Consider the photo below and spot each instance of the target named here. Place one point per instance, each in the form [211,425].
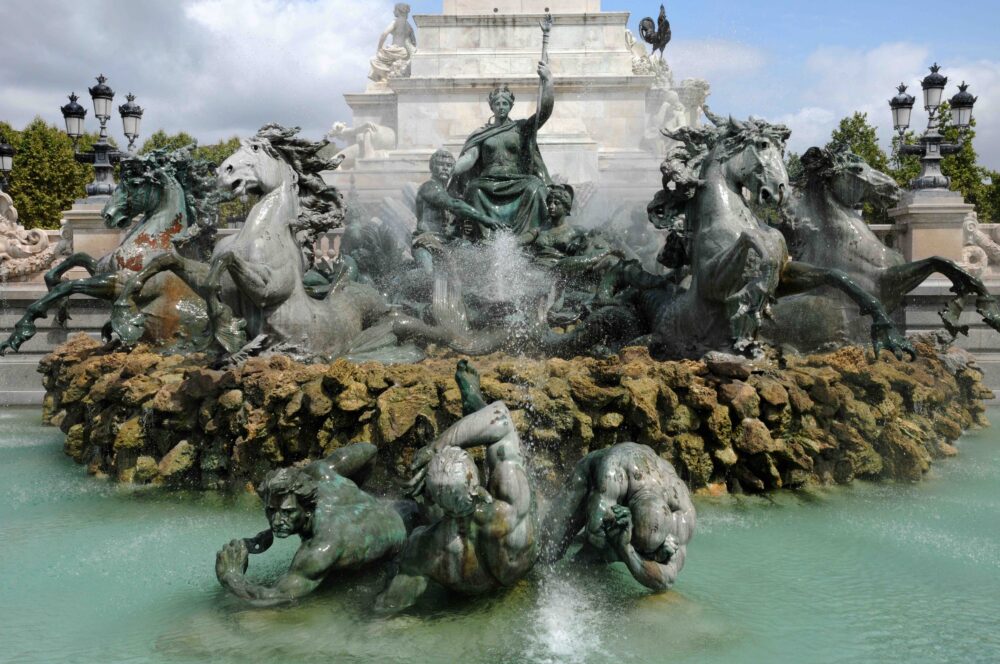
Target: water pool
[90,572]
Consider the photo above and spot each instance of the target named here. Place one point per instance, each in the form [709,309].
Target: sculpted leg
[227,328]
[126,318]
[799,277]
[901,279]
[104,287]
[55,275]
[467,378]
[410,581]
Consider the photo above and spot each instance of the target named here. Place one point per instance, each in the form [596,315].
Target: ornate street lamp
[931,146]
[6,161]
[902,109]
[103,155]
[131,117]
[961,106]
[933,87]
[74,114]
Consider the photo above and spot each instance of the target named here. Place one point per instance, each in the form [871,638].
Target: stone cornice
[484,20]
[562,83]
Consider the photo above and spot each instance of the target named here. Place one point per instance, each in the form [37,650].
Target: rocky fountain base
[146,418]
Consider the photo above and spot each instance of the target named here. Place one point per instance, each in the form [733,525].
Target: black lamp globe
[961,106]
[902,108]
[131,118]
[933,86]
[73,113]
[6,157]
[102,95]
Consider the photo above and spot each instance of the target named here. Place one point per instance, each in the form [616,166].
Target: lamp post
[103,155]
[6,161]
[931,146]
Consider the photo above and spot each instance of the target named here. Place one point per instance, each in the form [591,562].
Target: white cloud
[810,126]
[209,67]
[841,81]
[714,59]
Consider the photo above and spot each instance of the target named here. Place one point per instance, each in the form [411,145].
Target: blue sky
[216,68]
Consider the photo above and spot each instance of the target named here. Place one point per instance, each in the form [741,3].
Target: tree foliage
[160,139]
[862,138]
[46,179]
[858,134]
[969,178]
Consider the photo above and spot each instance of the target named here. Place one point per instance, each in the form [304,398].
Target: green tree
[160,139]
[218,152]
[46,179]
[856,132]
[904,167]
[236,210]
[993,195]
[862,138]
[967,176]
[793,165]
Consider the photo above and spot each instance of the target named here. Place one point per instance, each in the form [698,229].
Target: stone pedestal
[929,223]
[601,109]
[85,226]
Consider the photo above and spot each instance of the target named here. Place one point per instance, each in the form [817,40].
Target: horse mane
[196,178]
[321,205]
[682,165]
[823,163]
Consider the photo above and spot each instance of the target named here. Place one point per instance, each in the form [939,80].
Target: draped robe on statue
[509,181]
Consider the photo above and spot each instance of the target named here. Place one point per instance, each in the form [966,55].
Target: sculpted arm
[348,461]
[510,500]
[311,563]
[491,426]
[466,161]
[653,575]
[385,35]
[547,99]
[439,198]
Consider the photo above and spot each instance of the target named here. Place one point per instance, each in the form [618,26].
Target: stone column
[929,223]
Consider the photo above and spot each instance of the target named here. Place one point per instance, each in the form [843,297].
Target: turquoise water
[870,573]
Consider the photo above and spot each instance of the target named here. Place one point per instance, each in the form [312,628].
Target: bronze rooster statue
[659,36]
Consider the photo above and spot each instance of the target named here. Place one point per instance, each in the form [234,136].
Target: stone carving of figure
[364,141]
[22,252]
[670,116]
[486,538]
[341,526]
[439,213]
[631,506]
[393,60]
[980,252]
[500,171]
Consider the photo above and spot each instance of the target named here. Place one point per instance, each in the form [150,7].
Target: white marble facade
[602,107]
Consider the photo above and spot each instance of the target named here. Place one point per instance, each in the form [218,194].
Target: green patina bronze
[341,526]
[500,171]
[171,193]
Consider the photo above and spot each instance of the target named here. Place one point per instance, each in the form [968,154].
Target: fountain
[618,389]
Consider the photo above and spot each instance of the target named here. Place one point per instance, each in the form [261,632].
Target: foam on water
[567,622]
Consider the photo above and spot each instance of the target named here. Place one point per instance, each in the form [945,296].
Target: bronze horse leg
[901,279]
[126,318]
[55,275]
[799,277]
[103,287]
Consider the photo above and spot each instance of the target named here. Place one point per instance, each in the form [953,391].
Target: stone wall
[142,417]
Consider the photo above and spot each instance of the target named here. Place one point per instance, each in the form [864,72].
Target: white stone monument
[602,106]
